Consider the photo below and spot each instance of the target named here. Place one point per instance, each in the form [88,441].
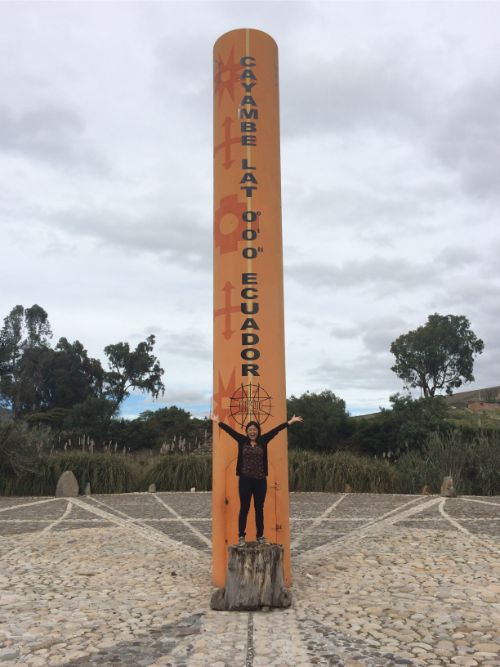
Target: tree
[404,428]
[438,355]
[71,376]
[138,369]
[24,330]
[325,424]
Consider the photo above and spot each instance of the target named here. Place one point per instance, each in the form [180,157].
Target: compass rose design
[250,402]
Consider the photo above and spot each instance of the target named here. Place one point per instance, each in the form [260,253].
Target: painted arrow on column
[227,310]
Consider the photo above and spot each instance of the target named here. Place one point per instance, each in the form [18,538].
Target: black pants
[248,487]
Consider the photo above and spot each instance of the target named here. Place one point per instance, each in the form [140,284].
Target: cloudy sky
[390,120]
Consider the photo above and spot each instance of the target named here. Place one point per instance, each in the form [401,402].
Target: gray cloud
[349,92]
[379,333]
[363,210]
[458,257]
[176,235]
[344,332]
[52,134]
[362,372]
[187,344]
[467,138]
[374,272]
[178,396]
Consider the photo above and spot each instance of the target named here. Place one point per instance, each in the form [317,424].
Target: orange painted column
[249,355]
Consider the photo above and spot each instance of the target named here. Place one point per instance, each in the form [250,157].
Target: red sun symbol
[226,76]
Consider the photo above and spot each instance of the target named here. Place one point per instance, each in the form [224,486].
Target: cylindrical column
[249,357]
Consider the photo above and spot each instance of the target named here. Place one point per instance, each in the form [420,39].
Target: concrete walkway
[380,580]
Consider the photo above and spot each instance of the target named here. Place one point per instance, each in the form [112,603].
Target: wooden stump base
[254,579]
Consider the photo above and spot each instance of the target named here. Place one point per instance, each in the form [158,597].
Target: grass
[106,473]
[472,461]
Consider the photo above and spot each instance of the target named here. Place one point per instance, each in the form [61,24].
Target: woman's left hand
[294,419]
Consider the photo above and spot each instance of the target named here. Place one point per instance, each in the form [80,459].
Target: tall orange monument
[249,355]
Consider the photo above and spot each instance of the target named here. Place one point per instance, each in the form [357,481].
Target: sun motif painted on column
[229,224]
[226,75]
[222,398]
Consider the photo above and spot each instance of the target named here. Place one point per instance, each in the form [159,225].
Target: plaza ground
[379,580]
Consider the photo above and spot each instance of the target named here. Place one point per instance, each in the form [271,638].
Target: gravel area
[379,580]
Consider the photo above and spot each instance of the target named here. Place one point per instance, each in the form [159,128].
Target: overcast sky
[390,121]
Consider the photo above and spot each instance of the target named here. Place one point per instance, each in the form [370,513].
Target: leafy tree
[438,355]
[154,427]
[326,422]
[92,417]
[24,330]
[56,378]
[403,428]
[71,376]
[137,369]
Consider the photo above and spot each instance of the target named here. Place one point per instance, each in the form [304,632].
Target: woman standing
[252,468]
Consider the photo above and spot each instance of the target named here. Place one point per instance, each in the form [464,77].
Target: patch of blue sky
[135,404]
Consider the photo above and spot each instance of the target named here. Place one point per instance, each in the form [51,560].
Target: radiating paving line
[146,532]
[317,521]
[36,502]
[223,640]
[396,511]
[72,521]
[177,518]
[464,530]
[250,652]
[280,625]
[451,520]
[186,523]
[63,516]
[377,525]
[137,521]
[475,500]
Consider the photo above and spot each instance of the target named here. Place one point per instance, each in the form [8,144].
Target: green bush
[333,472]
[106,473]
[474,464]
[18,449]
[180,472]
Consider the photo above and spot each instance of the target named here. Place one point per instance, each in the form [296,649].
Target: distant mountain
[463,398]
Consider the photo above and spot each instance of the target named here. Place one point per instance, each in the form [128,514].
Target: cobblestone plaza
[379,580]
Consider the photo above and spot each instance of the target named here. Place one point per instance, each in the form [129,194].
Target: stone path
[380,580]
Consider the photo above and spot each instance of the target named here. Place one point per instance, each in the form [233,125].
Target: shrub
[180,472]
[333,472]
[474,464]
[106,473]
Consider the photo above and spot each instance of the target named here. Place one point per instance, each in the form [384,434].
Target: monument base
[254,579]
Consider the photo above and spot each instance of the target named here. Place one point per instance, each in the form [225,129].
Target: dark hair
[256,424]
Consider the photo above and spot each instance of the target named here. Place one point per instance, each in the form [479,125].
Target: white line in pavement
[36,502]
[70,521]
[132,520]
[475,500]
[198,533]
[146,532]
[147,526]
[453,522]
[396,511]
[310,529]
[284,625]
[384,521]
[63,516]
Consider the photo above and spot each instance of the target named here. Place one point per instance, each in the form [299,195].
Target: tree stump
[254,579]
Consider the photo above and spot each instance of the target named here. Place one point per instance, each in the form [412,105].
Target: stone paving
[380,580]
